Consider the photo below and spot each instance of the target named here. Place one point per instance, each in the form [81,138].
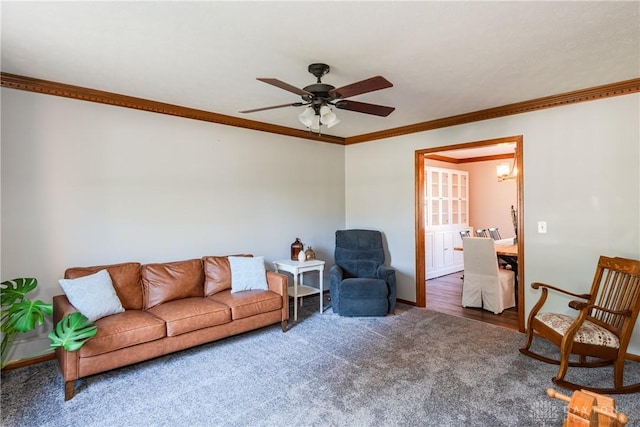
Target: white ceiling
[486,150]
[444,58]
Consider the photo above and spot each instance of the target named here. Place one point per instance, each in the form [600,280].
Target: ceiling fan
[320,96]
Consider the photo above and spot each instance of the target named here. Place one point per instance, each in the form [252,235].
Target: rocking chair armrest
[581,305]
[536,285]
[578,305]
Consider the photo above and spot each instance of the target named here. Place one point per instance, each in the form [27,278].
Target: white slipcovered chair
[486,285]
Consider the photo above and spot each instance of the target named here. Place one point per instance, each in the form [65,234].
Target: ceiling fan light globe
[332,124]
[329,118]
[315,123]
[306,117]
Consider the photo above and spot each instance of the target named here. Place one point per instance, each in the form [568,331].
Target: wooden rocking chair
[602,329]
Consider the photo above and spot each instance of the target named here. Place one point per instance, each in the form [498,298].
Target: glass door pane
[455,184]
[455,211]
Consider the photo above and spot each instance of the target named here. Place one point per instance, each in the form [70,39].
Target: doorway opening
[450,153]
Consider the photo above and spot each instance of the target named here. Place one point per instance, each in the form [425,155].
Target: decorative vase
[302,256]
[296,248]
[309,254]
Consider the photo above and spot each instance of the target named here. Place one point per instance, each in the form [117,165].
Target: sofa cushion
[190,314]
[217,273]
[123,330]
[171,281]
[93,295]
[248,303]
[125,278]
[247,273]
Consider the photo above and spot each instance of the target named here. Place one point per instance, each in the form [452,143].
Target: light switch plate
[542,227]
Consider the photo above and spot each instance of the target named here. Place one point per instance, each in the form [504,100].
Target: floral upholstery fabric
[589,333]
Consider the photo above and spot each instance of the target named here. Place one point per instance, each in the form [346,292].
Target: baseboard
[30,361]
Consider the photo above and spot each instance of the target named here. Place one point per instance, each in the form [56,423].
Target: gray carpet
[416,368]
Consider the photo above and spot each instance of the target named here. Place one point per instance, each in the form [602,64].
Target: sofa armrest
[61,307]
[278,283]
[68,360]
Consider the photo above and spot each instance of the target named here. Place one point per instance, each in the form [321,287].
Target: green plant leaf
[25,315]
[72,332]
[15,290]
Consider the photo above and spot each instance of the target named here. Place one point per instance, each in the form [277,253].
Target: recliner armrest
[389,275]
[335,278]
[385,273]
[336,274]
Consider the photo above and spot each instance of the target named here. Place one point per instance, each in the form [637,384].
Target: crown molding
[30,84]
[583,95]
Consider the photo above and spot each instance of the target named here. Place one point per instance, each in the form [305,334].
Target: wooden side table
[299,290]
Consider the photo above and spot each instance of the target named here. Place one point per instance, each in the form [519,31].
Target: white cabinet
[441,257]
[447,198]
[447,213]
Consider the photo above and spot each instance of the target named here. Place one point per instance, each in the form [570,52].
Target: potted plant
[20,314]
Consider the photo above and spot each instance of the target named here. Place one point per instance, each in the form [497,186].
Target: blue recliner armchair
[361,285]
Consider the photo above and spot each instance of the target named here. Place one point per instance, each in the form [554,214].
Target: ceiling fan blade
[363,107]
[364,86]
[285,86]
[295,104]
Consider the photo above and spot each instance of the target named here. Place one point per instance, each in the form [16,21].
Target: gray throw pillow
[93,295]
[247,273]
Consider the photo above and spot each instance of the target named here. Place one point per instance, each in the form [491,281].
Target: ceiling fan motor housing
[320,91]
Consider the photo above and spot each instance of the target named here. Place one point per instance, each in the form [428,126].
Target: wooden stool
[590,409]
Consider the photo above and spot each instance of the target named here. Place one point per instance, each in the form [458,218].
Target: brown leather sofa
[168,307]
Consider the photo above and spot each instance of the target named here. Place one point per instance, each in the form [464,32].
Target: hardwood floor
[444,295]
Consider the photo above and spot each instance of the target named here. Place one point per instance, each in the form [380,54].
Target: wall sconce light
[506,173]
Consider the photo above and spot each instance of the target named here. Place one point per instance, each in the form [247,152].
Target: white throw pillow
[93,295]
[247,273]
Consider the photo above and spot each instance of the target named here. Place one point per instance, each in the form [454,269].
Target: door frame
[421,291]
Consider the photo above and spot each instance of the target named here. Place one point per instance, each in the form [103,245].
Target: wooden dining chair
[481,232]
[505,262]
[600,332]
[494,233]
[465,233]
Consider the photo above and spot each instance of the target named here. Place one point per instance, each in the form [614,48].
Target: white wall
[581,175]
[490,201]
[87,184]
